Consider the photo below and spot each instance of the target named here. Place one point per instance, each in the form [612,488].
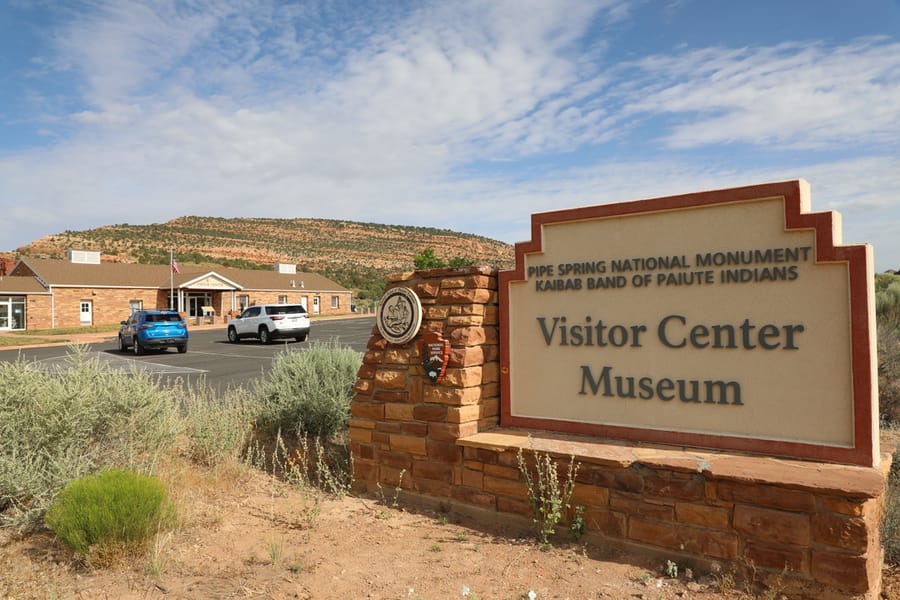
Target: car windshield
[286,310]
[163,318]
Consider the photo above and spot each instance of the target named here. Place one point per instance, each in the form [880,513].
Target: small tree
[460,261]
[427,260]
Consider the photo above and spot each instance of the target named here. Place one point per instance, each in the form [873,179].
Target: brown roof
[21,285]
[65,273]
[271,280]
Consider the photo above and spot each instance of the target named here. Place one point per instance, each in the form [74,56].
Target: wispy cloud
[790,95]
[456,114]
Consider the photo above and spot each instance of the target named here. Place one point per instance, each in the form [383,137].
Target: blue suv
[153,329]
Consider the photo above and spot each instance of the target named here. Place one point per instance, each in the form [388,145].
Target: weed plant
[77,420]
[309,392]
[394,500]
[218,428]
[300,472]
[548,495]
[115,510]
[312,464]
[578,526]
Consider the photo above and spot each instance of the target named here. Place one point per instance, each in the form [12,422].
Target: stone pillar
[403,427]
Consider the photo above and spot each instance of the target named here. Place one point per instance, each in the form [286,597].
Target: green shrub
[115,509]
[72,421]
[309,392]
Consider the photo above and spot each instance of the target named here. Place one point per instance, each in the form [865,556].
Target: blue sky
[462,115]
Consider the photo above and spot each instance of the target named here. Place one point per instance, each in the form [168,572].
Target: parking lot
[210,356]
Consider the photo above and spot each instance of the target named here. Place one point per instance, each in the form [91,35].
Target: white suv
[269,322]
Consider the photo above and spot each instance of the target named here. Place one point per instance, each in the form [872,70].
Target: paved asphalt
[210,356]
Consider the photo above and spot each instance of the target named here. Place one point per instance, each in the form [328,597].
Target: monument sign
[731,319]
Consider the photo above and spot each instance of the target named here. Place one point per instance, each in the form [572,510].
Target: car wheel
[264,336]
[136,347]
[300,338]
[122,347]
[233,336]
[182,348]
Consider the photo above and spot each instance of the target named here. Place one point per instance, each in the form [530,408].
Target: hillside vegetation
[352,253]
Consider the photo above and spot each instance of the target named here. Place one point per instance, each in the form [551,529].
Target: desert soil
[244,534]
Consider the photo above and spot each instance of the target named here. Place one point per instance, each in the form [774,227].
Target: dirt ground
[245,534]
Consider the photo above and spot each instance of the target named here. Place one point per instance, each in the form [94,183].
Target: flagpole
[171,278]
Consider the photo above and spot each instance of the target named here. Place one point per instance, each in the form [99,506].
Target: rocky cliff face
[313,244]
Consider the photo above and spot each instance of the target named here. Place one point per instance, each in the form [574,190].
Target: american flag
[175,266]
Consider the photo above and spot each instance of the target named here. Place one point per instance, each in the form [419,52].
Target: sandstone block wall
[812,527]
[400,422]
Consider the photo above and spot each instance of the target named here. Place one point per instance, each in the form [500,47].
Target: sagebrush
[309,392]
[83,417]
[888,372]
[887,298]
[75,420]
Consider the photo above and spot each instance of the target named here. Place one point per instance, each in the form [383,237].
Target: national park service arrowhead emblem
[435,352]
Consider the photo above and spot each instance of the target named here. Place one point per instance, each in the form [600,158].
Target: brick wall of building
[112,305]
[811,526]
[37,312]
[296,297]
[109,305]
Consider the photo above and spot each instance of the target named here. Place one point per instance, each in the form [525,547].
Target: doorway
[196,302]
[87,312]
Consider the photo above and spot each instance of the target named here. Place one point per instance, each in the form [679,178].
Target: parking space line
[259,357]
[118,363]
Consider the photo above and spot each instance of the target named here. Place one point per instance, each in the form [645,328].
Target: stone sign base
[812,527]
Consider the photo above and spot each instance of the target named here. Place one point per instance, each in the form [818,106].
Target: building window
[282,299]
[244,301]
[335,302]
[12,312]
[135,305]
